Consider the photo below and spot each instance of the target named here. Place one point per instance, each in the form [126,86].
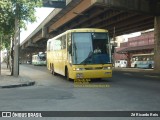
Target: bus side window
[144,59]
[63,42]
[136,58]
[57,44]
[49,46]
[140,58]
[52,46]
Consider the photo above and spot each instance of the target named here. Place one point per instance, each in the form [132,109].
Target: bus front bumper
[90,74]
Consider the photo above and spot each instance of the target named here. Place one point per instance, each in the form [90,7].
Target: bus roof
[142,54]
[87,30]
[80,30]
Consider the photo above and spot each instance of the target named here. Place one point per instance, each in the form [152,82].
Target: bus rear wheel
[52,70]
[150,66]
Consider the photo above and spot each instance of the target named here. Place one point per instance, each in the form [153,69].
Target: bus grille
[96,68]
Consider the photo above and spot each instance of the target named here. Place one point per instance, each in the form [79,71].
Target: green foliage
[24,10]
[6,42]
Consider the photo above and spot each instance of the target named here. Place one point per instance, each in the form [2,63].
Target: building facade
[142,44]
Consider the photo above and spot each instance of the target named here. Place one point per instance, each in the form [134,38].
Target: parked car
[28,62]
[121,63]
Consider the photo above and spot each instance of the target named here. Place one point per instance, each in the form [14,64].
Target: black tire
[52,70]
[67,74]
[99,79]
[150,66]
[135,66]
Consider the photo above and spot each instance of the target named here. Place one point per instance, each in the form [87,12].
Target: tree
[24,10]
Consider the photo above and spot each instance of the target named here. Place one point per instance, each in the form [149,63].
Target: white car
[28,62]
[121,63]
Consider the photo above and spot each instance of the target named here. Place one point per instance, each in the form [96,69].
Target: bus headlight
[106,68]
[78,69]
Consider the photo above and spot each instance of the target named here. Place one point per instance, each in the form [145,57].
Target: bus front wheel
[67,74]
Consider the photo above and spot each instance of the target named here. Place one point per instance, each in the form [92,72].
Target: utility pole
[16,45]
[0,54]
[113,45]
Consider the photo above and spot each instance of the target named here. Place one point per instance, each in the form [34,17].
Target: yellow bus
[80,54]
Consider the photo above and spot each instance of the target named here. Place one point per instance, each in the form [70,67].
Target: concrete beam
[157,43]
[82,6]
[22,47]
[44,32]
[145,6]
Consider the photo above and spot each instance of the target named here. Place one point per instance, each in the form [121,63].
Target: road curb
[136,70]
[19,85]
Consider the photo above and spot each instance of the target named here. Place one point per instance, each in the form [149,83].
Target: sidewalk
[7,81]
[137,70]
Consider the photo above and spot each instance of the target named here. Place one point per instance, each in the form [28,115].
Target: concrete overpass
[126,16]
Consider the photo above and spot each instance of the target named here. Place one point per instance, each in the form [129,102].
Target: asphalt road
[126,91]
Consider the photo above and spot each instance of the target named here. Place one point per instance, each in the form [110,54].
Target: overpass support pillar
[157,43]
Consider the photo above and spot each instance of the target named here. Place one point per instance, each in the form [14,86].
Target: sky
[131,35]
[41,14]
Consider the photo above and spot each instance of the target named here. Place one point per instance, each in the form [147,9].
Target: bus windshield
[42,57]
[90,48]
